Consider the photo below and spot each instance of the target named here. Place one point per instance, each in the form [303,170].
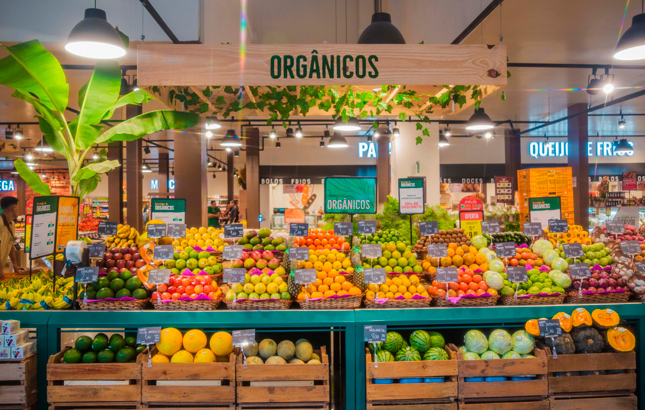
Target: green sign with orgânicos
[350,195]
[170,211]
[543,209]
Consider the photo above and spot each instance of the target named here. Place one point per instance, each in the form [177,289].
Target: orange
[335,287]
[344,292]
[451,252]
[329,293]
[385,288]
[316,295]
[221,343]
[204,356]
[328,281]
[412,289]
[407,295]
[170,341]
[452,245]
[339,279]
[334,272]
[402,289]
[394,288]
[159,358]
[323,288]
[480,258]
[301,296]
[354,291]
[182,356]
[309,265]
[321,275]
[341,276]
[319,282]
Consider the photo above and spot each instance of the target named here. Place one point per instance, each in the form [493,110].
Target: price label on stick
[159,276]
[366,227]
[429,227]
[615,227]
[640,267]
[232,252]
[176,230]
[550,327]
[447,275]
[108,228]
[371,251]
[305,276]
[156,230]
[558,225]
[96,250]
[301,254]
[630,247]
[87,274]
[234,275]
[244,337]
[437,250]
[164,252]
[343,228]
[375,333]
[533,229]
[505,249]
[490,227]
[573,250]
[148,335]
[298,230]
[517,274]
[374,275]
[579,271]
[233,231]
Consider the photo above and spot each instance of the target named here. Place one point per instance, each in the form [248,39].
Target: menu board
[234,275]
[96,250]
[305,276]
[159,276]
[572,250]
[232,252]
[366,227]
[504,190]
[343,228]
[164,252]
[411,196]
[148,335]
[67,224]
[549,327]
[429,227]
[242,338]
[579,271]
[630,247]
[43,229]
[615,227]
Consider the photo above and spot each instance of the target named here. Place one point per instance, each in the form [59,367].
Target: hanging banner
[43,230]
[630,182]
[168,210]
[411,198]
[471,213]
[294,215]
[504,190]
[543,209]
[29,211]
[350,195]
[67,226]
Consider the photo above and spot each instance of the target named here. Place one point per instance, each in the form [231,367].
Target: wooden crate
[279,389]
[19,407]
[625,402]
[424,406]
[18,382]
[98,392]
[504,391]
[397,395]
[105,405]
[592,385]
[508,405]
[189,389]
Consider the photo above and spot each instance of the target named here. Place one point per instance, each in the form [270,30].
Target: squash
[621,339]
[562,344]
[532,327]
[605,318]
[581,318]
[565,321]
[588,340]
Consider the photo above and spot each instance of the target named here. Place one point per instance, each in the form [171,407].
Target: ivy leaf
[375,124]
[220,100]
[207,91]
[203,107]
[419,126]
[419,140]
[426,132]
[477,104]
[403,116]
[503,96]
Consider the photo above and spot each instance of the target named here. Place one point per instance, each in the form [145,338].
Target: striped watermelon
[404,344]
[409,354]
[393,342]
[379,346]
[420,339]
[437,339]
[436,353]
[384,356]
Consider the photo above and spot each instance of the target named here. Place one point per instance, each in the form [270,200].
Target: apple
[100,263]
[211,295]
[110,263]
[134,250]
[127,256]
[129,264]
[120,263]
[125,250]
[115,250]
[238,263]
[118,256]
[134,270]
[155,296]
[108,255]
[136,256]
[172,289]
[139,263]
[181,289]
[208,289]
[175,296]
[162,288]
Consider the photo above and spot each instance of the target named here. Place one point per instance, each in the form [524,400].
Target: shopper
[214,214]
[235,213]
[9,205]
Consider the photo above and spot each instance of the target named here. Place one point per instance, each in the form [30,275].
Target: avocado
[89,357]
[117,284]
[105,293]
[91,293]
[140,349]
[103,282]
[83,344]
[125,275]
[115,336]
[100,342]
[105,356]
[125,355]
[133,283]
[112,275]
[140,294]
[123,293]
[130,341]
[116,345]
[72,356]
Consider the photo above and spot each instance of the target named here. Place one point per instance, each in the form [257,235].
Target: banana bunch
[125,236]
[37,294]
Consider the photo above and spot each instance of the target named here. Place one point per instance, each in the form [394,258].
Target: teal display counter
[348,323]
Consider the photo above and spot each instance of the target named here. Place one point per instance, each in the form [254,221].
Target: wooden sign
[320,64]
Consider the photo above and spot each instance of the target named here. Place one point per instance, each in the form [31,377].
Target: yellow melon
[221,343]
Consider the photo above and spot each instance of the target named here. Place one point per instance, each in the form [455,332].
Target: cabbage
[489,354]
[528,356]
[562,280]
[560,264]
[484,250]
[499,341]
[479,242]
[494,280]
[511,355]
[496,265]
[554,274]
[463,349]
[523,342]
[491,256]
[549,256]
[542,245]
[471,356]
[475,341]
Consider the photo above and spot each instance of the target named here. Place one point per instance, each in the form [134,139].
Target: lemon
[182,356]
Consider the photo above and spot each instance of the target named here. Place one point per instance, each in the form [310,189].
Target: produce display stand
[18,380]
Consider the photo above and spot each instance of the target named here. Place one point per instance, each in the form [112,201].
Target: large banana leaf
[148,123]
[32,69]
[135,97]
[31,178]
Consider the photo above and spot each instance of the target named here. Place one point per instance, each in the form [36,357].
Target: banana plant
[37,78]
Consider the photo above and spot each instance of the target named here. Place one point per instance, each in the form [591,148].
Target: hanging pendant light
[443,141]
[623,147]
[479,121]
[631,45]
[381,30]
[351,124]
[212,123]
[337,141]
[231,140]
[94,37]
[43,147]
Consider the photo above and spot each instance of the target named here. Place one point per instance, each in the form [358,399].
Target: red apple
[110,263]
[100,263]
[125,250]
[172,289]
[162,288]
[129,264]
[118,256]
[120,263]
[181,289]
[211,295]
[175,296]
[136,256]
[155,296]
[127,256]
[134,270]
[133,250]
[208,289]
[139,263]
[115,250]
[108,255]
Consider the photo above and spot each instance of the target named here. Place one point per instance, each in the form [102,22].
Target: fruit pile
[116,284]
[322,239]
[202,237]
[285,352]
[540,281]
[262,260]
[455,235]
[500,344]
[403,285]
[259,285]
[328,283]
[89,224]
[39,290]
[121,258]
[458,256]
[601,280]
[330,261]
[126,236]
[184,286]
[386,236]
[641,256]
[194,261]
[575,235]
[523,257]
[517,237]
[421,345]
[631,234]
[117,349]
[396,258]
[470,283]
[191,347]
[582,332]
[261,241]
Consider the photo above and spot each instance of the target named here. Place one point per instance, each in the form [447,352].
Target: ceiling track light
[479,121]
[214,176]
[488,135]
[381,30]
[443,141]
[8,132]
[298,131]
[209,134]
[212,123]
[396,132]
[352,124]
[289,132]
[369,137]
[608,83]
[447,131]
[322,140]
[621,122]
[237,153]
[623,147]
[125,87]
[43,147]
[146,149]
[631,45]
[231,140]
[29,156]
[277,144]
[18,134]
[377,133]
[337,141]
[94,37]
[272,134]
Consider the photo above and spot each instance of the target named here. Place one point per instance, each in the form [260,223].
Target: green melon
[437,339]
[420,339]
[408,354]
[384,356]
[393,342]
[436,353]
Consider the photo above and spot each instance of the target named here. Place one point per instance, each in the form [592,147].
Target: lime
[104,293]
[116,345]
[125,275]
[103,282]
[112,275]
[123,293]
[89,357]
[72,356]
[83,344]
[105,356]
[133,283]
[117,284]
[140,294]
[130,341]
[100,342]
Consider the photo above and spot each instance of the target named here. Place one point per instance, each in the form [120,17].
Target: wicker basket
[218,278]
[399,304]
[640,297]
[217,255]
[533,300]
[263,304]
[349,302]
[618,297]
[480,301]
[113,305]
[187,305]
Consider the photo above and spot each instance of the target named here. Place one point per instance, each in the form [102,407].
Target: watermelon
[404,344]
[437,340]
[384,356]
[379,346]
[436,353]
[393,342]
[408,354]
[420,339]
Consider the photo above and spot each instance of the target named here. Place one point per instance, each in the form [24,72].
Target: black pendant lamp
[381,30]
[94,37]
[480,121]
[631,45]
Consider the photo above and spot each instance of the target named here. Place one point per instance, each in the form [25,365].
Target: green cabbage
[494,280]
[475,341]
[511,355]
[499,341]
[523,342]
[489,354]
[471,356]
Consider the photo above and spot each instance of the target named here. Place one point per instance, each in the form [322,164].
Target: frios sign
[540,149]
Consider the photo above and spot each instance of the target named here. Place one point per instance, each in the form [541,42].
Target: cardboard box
[5,353]
[16,339]
[10,326]
[24,350]
[1,340]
